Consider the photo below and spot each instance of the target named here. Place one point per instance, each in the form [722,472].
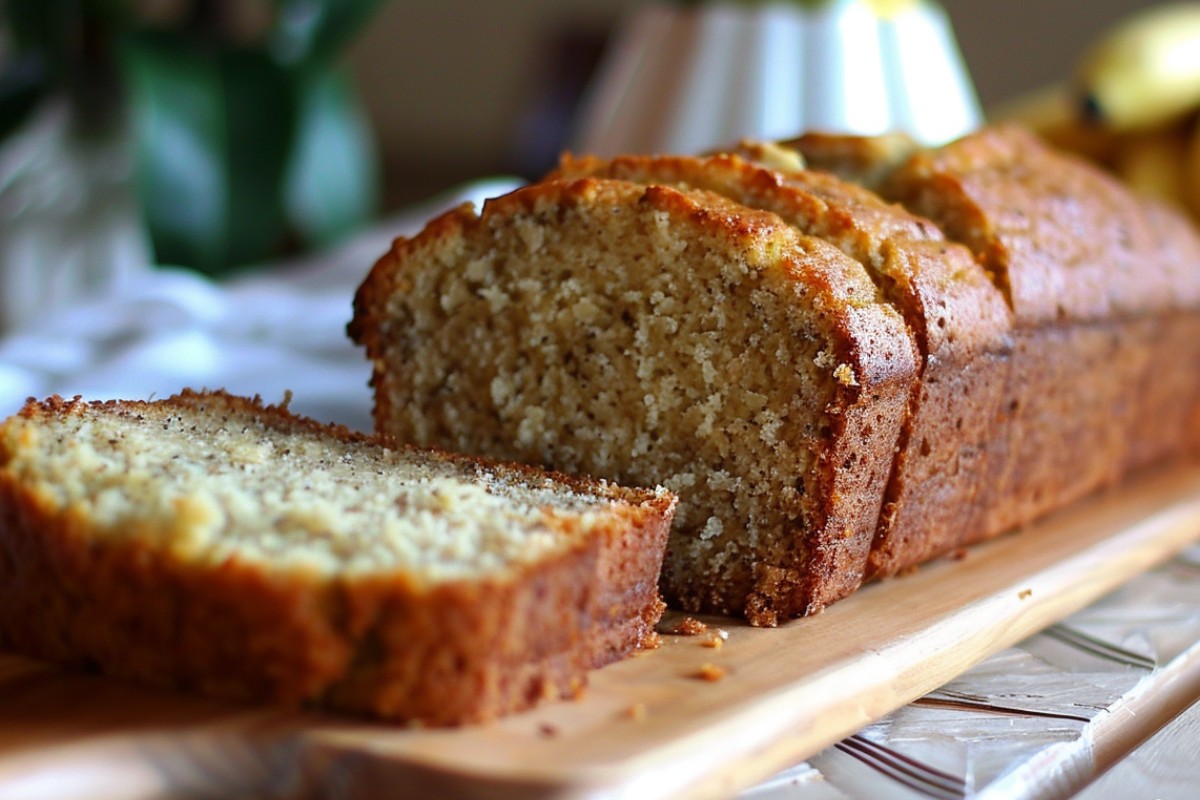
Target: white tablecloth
[277,328]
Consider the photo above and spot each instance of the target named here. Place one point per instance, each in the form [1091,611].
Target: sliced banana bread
[208,542]
[610,319]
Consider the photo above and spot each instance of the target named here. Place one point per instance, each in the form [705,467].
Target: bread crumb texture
[210,483]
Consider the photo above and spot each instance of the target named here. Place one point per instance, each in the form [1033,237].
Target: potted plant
[225,131]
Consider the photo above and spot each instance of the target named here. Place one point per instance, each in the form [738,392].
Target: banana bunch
[1132,105]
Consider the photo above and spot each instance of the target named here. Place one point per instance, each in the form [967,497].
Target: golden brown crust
[1066,241]
[1092,376]
[455,652]
[1105,291]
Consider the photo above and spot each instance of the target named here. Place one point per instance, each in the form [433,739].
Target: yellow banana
[1145,72]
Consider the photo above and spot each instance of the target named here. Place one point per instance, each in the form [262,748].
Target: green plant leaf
[177,119]
[214,129]
[332,184]
[260,124]
[310,31]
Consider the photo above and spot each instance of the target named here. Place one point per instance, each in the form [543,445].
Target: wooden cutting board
[686,718]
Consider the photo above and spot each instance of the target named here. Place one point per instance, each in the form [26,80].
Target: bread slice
[209,542]
[631,331]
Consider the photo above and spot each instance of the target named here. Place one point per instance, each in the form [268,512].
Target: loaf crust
[389,645]
[1105,292]
[1099,379]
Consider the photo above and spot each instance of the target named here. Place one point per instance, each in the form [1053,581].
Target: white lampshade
[687,78]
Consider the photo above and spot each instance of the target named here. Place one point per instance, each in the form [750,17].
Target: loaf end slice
[210,543]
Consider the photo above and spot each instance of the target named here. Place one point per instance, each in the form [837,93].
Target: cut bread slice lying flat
[211,543]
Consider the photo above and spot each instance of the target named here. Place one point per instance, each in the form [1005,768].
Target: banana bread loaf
[1032,289]
[210,543]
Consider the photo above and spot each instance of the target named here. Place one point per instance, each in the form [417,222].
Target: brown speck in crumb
[1024,594]
[710,672]
[688,626]
[547,731]
[636,712]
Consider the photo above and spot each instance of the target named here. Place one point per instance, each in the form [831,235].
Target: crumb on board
[710,672]
[1024,594]
[688,626]
[717,640]
[636,712]
[547,731]
[960,554]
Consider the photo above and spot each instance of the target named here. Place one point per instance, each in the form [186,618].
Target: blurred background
[461,88]
[219,135]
